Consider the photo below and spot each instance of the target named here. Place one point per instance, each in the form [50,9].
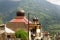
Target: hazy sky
[10,0]
[57,2]
[15,0]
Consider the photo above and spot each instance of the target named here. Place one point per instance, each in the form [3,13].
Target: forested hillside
[48,14]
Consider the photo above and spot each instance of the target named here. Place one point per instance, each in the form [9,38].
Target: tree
[21,34]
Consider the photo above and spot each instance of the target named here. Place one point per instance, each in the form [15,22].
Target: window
[8,36]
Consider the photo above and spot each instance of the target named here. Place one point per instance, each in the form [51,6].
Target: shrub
[21,34]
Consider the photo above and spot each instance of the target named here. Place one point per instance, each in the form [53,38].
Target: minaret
[38,29]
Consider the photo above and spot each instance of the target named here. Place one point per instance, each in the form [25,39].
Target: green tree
[22,34]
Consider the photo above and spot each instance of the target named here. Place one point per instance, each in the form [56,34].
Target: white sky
[57,2]
[10,0]
[15,0]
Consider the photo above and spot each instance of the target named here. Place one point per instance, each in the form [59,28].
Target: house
[6,33]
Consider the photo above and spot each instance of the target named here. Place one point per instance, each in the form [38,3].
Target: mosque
[20,21]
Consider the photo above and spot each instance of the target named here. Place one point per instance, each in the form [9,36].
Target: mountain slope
[47,13]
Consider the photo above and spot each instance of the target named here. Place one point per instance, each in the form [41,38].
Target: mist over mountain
[48,14]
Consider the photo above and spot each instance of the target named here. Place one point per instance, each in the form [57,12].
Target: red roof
[24,19]
[46,33]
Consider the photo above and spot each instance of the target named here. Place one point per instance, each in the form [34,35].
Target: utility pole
[28,26]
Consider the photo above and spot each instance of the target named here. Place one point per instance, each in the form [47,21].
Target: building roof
[7,30]
[46,33]
[20,17]
[24,19]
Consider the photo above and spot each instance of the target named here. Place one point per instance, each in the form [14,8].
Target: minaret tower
[38,35]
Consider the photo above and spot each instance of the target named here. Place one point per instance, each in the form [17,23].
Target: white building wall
[29,35]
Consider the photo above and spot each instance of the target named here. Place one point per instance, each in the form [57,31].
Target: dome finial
[20,13]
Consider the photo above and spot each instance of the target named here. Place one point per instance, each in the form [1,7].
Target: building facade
[36,32]
[19,22]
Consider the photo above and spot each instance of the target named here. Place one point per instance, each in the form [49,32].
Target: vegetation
[22,34]
[48,14]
